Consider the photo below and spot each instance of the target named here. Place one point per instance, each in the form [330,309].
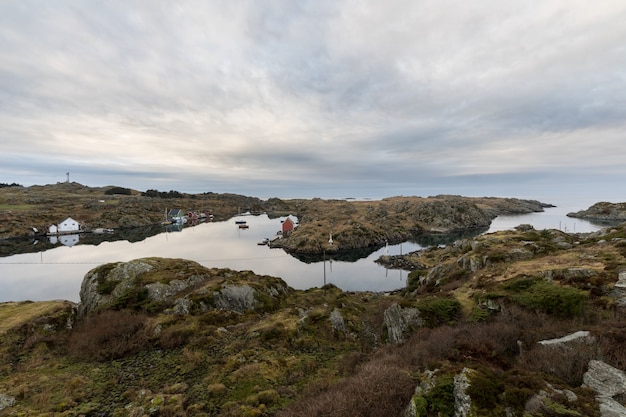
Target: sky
[320,98]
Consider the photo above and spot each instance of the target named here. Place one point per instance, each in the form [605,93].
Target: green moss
[440,399]
[439,311]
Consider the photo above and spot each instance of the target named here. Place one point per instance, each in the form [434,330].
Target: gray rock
[337,321]
[6,401]
[462,401]
[581,335]
[610,408]
[400,321]
[518,254]
[123,275]
[605,379]
[621,280]
[239,298]
[471,262]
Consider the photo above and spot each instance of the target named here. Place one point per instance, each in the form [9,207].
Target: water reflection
[40,270]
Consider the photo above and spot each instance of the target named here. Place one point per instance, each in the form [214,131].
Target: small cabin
[288,226]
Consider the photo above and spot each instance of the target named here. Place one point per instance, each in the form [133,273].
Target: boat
[243,226]
[264,242]
[240,222]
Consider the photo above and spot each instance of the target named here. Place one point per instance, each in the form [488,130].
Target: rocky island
[603,212]
[515,323]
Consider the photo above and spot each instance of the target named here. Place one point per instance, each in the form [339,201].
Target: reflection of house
[288,226]
[67,226]
[67,240]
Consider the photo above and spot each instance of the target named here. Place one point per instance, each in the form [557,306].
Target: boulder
[235,298]
[462,401]
[609,383]
[580,336]
[336,319]
[400,322]
[610,408]
[103,285]
[176,286]
[606,380]
[6,401]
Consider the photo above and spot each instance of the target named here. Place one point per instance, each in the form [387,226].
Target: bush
[550,298]
[439,311]
[118,190]
[109,335]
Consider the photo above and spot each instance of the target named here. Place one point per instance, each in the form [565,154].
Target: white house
[53,229]
[68,225]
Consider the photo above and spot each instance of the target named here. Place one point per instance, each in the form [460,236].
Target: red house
[288,226]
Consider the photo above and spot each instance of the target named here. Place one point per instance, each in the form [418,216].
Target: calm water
[58,272]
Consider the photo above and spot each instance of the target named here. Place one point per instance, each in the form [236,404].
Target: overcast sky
[333,98]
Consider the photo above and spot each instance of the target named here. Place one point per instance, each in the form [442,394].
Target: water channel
[54,270]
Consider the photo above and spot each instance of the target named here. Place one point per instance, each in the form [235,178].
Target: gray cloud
[312,97]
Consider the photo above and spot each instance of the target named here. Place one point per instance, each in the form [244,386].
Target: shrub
[567,363]
[485,389]
[439,311]
[440,399]
[118,190]
[550,298]
[109,335]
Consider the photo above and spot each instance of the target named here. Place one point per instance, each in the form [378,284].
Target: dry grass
[14,314]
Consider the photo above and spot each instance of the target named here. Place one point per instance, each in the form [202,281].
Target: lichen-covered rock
[235,298]
[605,379]
[6,401]
[176,286]
[462,401]
[400,321]
[106,283]
[337,321]
[609,383]
[610,408]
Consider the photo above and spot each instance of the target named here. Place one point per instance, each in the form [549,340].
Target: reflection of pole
[324,256]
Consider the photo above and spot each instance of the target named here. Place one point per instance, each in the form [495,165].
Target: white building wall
[68,225]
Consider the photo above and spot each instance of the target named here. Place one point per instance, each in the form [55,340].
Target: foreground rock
[609,383]
[176,286]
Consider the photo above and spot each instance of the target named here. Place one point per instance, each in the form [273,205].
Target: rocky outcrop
[603,212]
[401,322]
[462,401]
[176,286]
[609,383]
[103,285]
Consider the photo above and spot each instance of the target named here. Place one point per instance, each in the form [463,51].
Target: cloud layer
[305,98]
